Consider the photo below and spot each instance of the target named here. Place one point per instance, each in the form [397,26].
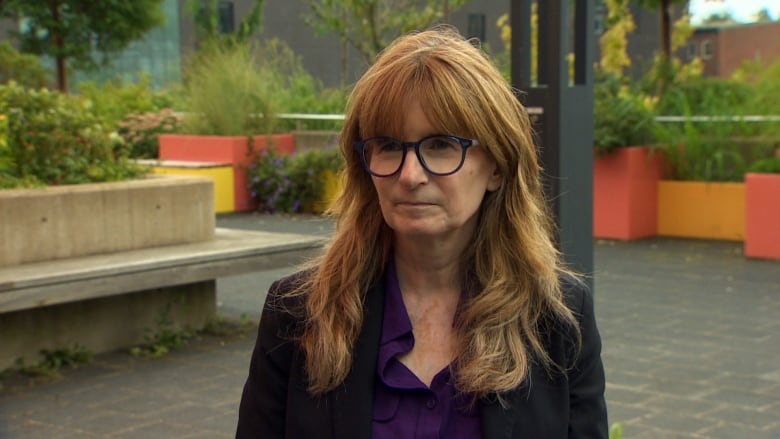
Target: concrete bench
[112,301]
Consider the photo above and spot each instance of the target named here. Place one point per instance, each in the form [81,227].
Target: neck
[429,267]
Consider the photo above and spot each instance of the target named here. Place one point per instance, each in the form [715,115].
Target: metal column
[564,124]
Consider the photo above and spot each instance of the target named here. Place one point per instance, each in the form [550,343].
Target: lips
[413,203]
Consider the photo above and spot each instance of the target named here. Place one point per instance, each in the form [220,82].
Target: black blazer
[275,403]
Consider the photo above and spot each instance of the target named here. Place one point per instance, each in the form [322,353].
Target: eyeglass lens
[438,155]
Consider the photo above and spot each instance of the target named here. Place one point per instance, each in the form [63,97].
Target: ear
[495,180]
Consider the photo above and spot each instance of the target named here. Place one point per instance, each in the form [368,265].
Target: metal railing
[746,118]
[539,111]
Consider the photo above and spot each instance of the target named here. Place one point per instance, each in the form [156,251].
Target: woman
[441,307]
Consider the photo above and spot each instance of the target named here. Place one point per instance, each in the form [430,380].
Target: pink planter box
[233,150]
[625,193]
[762,215]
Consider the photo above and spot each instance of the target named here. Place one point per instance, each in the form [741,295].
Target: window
[692,50]
[225,12]
[706,49]
[600,16]
[476,27]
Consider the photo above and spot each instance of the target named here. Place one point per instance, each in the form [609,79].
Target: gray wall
[326,58]
[324,55]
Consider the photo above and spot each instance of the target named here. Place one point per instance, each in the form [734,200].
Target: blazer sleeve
[588,410]
[263,404]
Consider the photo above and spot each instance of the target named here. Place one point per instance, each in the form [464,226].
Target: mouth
[414,204]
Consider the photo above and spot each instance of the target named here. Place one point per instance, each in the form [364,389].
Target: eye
[441,144]
[386,145]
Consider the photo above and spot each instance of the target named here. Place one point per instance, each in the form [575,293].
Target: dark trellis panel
[563,107]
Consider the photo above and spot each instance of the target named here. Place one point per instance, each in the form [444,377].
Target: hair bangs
[444,97]
[384,102]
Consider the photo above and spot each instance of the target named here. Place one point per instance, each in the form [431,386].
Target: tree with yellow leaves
[613,42]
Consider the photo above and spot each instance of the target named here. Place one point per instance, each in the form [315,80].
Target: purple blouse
[404,407]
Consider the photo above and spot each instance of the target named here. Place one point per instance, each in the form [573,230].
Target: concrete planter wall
[79,220]
[85,225]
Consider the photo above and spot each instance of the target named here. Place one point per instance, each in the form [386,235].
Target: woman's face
[416,204]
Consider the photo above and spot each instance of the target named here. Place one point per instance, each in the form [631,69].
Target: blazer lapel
[353,402]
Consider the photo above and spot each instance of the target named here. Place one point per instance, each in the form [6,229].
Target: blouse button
[431,403]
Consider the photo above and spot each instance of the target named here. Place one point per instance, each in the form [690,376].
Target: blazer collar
[352,404]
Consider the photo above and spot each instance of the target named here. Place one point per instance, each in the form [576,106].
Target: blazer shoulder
[576,293]
[285,304]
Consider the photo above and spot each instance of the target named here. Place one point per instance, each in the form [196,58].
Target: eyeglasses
[438,154]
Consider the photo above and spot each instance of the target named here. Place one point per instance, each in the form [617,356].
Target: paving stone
[687,328]
[627,396]
[674,421]
[744,398]
[692,407]
[751,417]
[156,430]
[732,431]
[624,414]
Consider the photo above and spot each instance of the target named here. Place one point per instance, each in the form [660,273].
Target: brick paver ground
[691,333]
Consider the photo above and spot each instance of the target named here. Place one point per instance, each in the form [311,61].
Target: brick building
[723,49]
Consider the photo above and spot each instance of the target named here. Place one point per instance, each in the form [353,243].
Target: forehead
[409,116]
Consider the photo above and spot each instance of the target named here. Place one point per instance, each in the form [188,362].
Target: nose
[412,172]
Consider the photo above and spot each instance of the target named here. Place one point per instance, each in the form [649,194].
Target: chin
[419,228]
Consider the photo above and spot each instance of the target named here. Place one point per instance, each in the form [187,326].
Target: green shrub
[765,100]
[621,117]
[52,139]
[300,92]
[291,183]
[140,131]
[115,100]
[705,96]
[766,166]
[714,142]
[696,156]
[24,69]
[235,89]
[231,91]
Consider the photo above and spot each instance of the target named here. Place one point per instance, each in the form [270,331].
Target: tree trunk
[62,72]
[666,30]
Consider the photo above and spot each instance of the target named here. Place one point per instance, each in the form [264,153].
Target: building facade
[724,49]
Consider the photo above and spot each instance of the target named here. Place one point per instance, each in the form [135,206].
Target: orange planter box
[707,210]
[762,216]
[225,149]
[625,194]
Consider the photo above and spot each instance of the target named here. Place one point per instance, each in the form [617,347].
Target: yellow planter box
[331,190]
[221,174]
[707,210]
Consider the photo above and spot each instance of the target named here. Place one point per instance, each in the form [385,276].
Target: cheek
[473,189]
[465,195]
[381,189]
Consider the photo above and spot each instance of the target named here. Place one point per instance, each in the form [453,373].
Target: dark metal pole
[565,126]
